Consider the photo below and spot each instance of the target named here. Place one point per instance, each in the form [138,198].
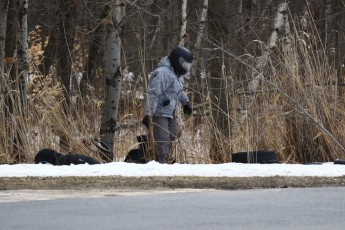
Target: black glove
[187,109]
[146,121]
[165,103]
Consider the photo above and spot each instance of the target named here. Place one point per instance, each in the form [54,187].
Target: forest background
[267,74]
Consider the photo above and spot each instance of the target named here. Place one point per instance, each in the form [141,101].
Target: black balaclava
[181,60]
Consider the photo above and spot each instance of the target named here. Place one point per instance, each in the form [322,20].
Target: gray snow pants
[165,130]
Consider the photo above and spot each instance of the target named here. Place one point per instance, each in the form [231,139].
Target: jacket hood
[165,62]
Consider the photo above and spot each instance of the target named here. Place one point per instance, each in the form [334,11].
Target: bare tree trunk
[199,35]
[340,57]
[113,76]
[160,44]
[10,85]
[157,23]
[3,81]
[217,84]
[3,17]
[253,84]
[182,41]
[183,33]
[10,41]
[14,87]
[329,41]
[49,53]
[287,30]
[23,53]
[49,50]
[201,28]
[67,11]
[93,53]
[171,25]
[333,23]
[66,41]
[198,70]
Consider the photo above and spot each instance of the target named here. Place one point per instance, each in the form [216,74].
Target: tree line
[268,74]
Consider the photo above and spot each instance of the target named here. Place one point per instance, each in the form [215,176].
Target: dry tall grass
[306,74]
[298,109]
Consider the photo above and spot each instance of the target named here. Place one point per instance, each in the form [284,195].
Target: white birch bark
[201,25]
[183,35]
[293,102]
[184,23]
[288,36]
[198,40]
[196,65]
[240,7]
[23,51]
[253,84]
[113,76]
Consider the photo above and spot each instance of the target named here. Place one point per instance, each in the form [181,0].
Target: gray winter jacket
[165,90]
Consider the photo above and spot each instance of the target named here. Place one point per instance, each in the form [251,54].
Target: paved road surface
[313,208]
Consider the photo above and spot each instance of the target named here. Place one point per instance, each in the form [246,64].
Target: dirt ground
[118,182]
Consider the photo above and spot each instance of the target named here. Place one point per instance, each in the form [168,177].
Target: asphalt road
[290,208]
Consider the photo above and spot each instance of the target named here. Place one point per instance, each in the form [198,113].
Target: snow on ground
[155,169]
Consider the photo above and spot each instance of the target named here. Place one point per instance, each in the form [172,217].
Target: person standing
[165,91]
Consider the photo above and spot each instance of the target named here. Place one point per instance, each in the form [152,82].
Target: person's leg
[174,129]
[174,134]
[161,137]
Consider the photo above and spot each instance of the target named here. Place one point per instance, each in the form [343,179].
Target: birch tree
[183,33]
[198,76]
[113,75]
[199,35]
[279,24]
[182,41]
[201,28]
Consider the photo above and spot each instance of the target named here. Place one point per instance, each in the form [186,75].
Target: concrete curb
[118,182]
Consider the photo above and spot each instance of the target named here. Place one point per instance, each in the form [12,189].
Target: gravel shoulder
[119,182]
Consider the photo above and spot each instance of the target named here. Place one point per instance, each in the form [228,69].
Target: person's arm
[183,99]
[157,85]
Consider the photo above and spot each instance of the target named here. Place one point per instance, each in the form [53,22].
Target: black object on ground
[55,158]
[76,159]
[138,155]
[49,156]
[259,156]
[339,162]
